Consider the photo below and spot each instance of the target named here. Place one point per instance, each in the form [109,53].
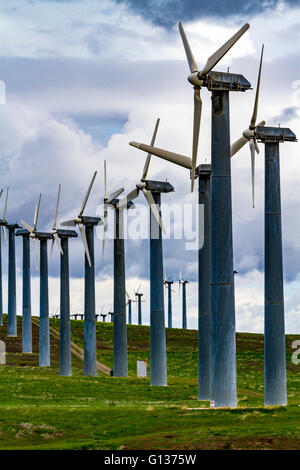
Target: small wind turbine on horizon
[183,283]
[168,288]
[129,303]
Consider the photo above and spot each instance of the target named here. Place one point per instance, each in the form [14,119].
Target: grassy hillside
[41,410]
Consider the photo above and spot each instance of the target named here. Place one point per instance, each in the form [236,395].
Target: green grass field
[41,410]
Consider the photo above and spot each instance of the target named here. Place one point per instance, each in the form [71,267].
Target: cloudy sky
[83,78]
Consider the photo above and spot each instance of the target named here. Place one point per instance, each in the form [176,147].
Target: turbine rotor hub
[249,133]
[195,80]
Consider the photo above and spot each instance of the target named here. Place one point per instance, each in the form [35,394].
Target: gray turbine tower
[168,286]
[61,238]
[26,300]
[12,291]
[26,309]
[274,330]
[86,228]
[152,191]
[223,356]
[120,359]
[43,237]
[3,224]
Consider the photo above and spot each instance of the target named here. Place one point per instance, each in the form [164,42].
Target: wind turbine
[139,301]
[2,222]
[129,302]
[203,172]
[249,134]
[26,234]
[184,319]
[152,191]
[43,237]
[61,238]
[120,359]
[168,286]
[12,294]
[86,227]
[223,353]
[212,81]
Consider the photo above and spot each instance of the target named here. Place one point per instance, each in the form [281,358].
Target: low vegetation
[41,410]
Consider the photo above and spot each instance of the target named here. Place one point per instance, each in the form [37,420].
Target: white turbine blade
[27,226]
[4,234]
[36,214]
[130,196]
[85,244]
[237,145]
[147,163]
[176,158]
[153,207]
[36,256]
[87,194]
[137,291]
[114,195]
[252,150]
[128,296]
[254,114]
[58,242]
[261,124]
[68,223]
[256,145]
[188,51]
[105,181]
[57,204]
[217,56]
[196,130]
